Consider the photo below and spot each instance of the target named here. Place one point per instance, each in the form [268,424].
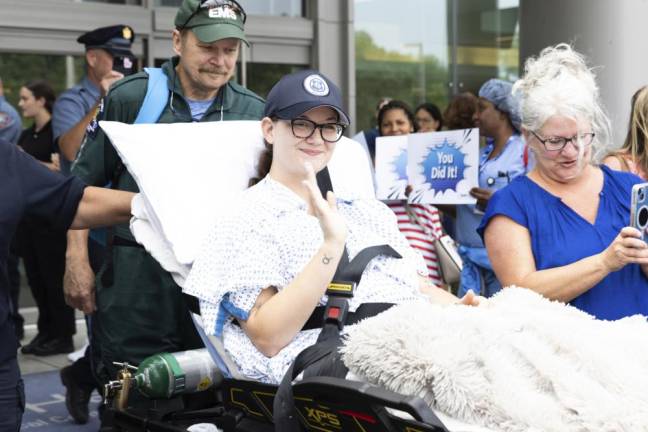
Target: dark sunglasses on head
[217,4]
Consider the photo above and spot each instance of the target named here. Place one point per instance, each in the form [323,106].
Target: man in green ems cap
[139,310]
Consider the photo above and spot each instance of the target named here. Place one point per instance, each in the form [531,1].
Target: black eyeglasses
[217,4]
[559,143]
[304,128]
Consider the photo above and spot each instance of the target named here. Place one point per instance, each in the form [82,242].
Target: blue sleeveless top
[560,236]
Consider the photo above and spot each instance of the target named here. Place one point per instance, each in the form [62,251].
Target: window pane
[123,2]
[262,76]
[19,69]
[401,52]
[487,42]
[291,8]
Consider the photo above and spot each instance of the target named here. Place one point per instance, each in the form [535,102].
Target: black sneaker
[61,345]
[39,339]
[76,397]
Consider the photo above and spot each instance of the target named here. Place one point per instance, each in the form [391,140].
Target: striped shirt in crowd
[421,233]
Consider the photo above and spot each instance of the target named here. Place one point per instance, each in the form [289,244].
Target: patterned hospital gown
[267,240]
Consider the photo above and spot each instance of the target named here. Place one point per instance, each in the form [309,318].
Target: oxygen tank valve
[119,388]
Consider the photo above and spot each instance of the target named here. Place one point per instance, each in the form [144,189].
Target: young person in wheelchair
[265,268]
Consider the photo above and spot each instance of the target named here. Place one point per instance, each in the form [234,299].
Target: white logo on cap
[315,85]
[222,12]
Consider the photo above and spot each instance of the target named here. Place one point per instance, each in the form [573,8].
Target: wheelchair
[322,403]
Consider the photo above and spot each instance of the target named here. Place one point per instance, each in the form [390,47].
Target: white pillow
[189,172]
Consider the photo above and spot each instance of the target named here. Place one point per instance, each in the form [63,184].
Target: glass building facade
[428,50]
[414,50]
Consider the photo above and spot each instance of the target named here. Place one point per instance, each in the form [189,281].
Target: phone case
[639,208]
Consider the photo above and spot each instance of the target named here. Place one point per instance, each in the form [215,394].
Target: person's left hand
[482,195]
[471,299]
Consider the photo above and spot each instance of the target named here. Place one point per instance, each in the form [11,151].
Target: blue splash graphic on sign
[400,165]
[444,166]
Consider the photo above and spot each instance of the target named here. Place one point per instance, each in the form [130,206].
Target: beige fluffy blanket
[520,363]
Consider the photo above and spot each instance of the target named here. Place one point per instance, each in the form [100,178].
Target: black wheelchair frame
[323,404]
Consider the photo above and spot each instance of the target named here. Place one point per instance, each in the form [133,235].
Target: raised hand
[109,79]
[325,210]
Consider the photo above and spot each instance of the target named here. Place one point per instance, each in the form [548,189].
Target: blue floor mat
[45,409]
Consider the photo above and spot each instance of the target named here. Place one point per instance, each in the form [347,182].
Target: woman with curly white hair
[561,230]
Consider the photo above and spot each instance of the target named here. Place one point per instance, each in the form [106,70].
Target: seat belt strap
[353,270]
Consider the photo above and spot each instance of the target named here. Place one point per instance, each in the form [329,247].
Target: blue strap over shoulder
[157,94]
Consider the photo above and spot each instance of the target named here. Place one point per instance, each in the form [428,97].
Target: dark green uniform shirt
[140,310]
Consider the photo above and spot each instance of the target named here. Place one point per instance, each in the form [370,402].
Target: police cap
[116,39]
[301,91]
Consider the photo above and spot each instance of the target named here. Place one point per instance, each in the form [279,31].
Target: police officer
[140,310]
[29,188]
[107,48]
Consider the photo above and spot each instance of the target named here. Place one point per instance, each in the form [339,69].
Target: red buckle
[333,313]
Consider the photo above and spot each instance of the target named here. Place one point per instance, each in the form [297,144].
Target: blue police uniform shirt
[10,125]
[494,174]
[28,188]
[70,107]
[560,236]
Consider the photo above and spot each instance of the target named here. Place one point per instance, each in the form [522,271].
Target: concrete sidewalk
[33,364]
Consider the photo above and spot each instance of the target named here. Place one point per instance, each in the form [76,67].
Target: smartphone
[126,65]
[639,208]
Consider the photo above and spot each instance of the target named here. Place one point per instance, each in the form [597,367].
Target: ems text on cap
[212,20]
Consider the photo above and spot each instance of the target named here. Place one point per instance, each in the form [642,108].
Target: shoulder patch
[93,126]
[5,120]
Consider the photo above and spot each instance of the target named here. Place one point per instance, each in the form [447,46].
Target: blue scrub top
[70,107]
[494,174]
[560,236]
[28,188]
[10,125]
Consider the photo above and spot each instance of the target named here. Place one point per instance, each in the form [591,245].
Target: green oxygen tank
[165,375]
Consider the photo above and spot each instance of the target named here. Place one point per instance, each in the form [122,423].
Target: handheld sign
[440,167]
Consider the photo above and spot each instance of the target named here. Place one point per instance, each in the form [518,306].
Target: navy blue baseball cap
[301,91]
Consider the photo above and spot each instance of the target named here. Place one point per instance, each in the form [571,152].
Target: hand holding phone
[639,209]
[126,65]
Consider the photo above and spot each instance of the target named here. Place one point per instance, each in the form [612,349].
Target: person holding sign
[562,229]
[420,223]
[501,160]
